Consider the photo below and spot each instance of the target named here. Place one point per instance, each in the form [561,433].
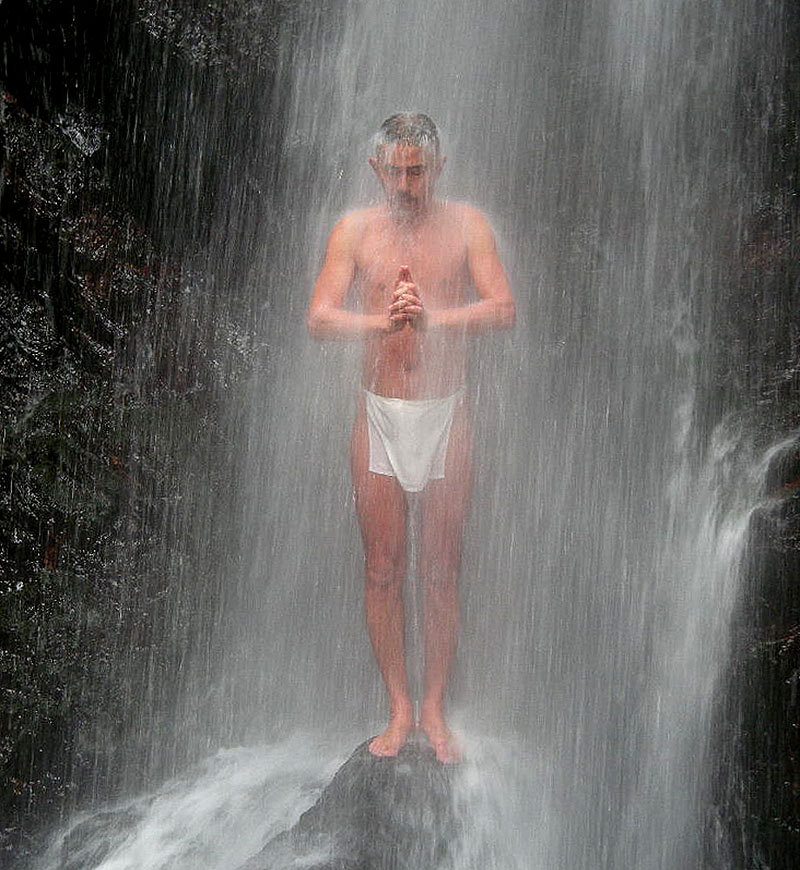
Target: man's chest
[437,262]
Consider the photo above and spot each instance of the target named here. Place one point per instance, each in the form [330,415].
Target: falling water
[601,558]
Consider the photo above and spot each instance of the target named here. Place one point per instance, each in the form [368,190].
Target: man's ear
[373,162]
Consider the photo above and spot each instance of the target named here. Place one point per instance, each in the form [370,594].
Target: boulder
[376,814]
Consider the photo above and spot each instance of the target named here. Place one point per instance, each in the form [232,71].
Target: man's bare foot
[392,740]
[440,737]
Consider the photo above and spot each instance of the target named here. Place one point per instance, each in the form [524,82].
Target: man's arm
[495,308]
[327,316]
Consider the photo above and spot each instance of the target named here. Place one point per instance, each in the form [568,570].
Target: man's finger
[404,294]
[404,274]
[404,300]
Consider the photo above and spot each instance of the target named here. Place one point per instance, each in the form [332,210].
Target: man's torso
[409,362]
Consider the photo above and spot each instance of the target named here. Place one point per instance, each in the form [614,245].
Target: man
[415,265]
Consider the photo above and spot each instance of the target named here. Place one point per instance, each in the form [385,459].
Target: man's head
[407,161]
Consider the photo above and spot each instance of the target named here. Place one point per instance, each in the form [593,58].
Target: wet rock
[376,814]
[222,33]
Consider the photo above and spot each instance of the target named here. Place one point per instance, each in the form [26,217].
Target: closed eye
[411,171]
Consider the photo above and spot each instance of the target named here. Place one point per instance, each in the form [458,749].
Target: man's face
[408,174]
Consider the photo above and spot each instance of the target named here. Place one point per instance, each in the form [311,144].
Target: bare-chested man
[426,275]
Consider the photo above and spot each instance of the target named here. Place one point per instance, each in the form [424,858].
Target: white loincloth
[408,437]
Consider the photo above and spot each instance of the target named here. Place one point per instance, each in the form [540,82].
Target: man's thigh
[380,500]
[445,502]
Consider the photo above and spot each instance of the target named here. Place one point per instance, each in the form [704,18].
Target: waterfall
[602,556]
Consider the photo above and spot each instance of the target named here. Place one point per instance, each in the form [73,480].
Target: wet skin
[424,275]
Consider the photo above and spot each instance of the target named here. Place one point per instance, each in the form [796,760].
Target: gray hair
[408,129]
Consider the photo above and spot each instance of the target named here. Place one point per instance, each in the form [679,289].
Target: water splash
[212,818]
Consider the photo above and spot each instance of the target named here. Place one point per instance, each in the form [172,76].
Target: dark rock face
[376,814]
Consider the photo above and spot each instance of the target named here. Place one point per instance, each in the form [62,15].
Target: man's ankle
[402,708]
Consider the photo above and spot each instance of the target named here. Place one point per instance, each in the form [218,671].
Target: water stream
[602,554]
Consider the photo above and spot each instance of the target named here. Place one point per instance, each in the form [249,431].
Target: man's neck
[411,219]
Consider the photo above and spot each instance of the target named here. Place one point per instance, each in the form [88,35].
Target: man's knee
[440,567]
[383,568]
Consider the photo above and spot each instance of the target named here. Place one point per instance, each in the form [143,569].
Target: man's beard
[405,202]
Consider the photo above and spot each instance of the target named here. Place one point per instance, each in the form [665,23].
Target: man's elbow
[507,314]
[315,322]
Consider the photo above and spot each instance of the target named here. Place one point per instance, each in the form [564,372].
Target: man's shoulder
[473,223]
[358,219]
[348,232]
[466,214]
